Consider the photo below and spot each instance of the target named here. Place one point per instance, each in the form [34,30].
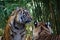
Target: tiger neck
[17,25]
[18,31]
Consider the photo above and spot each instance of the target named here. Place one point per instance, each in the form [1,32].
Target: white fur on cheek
[19,18]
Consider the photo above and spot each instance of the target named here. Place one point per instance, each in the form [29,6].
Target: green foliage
[29,28]
[1,32]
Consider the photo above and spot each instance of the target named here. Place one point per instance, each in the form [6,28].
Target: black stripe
[22,35]
[16,27]
[22,31]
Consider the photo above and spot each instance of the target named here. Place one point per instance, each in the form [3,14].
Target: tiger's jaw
[29,20]
[23,19]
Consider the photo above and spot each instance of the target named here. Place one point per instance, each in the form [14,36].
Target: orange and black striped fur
[43,33]
[15,28]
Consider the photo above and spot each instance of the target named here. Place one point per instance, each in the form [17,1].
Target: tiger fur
[15,28]
[43,34]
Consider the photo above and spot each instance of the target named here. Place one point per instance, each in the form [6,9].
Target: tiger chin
[15,28]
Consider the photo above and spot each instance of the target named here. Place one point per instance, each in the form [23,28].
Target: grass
[1,32]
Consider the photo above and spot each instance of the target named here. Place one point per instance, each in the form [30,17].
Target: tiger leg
[7,33]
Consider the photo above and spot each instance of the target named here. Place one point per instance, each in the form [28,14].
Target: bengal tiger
[15,28]
[41,32]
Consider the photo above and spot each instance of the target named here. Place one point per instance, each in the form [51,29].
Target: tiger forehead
[23,11]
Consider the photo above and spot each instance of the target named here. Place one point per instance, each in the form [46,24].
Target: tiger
[15,28]
[41,31]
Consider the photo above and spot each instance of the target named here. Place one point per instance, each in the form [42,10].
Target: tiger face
[40,30]
[23,16]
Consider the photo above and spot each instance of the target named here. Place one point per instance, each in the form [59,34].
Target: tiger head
[40,30]
[21,16]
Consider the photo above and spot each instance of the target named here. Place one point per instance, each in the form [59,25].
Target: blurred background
[41,10]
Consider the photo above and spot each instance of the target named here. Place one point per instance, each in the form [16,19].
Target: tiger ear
[17,8]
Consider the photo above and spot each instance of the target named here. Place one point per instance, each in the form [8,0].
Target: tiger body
[15,28]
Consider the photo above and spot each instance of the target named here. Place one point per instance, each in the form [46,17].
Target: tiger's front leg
[7,33]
